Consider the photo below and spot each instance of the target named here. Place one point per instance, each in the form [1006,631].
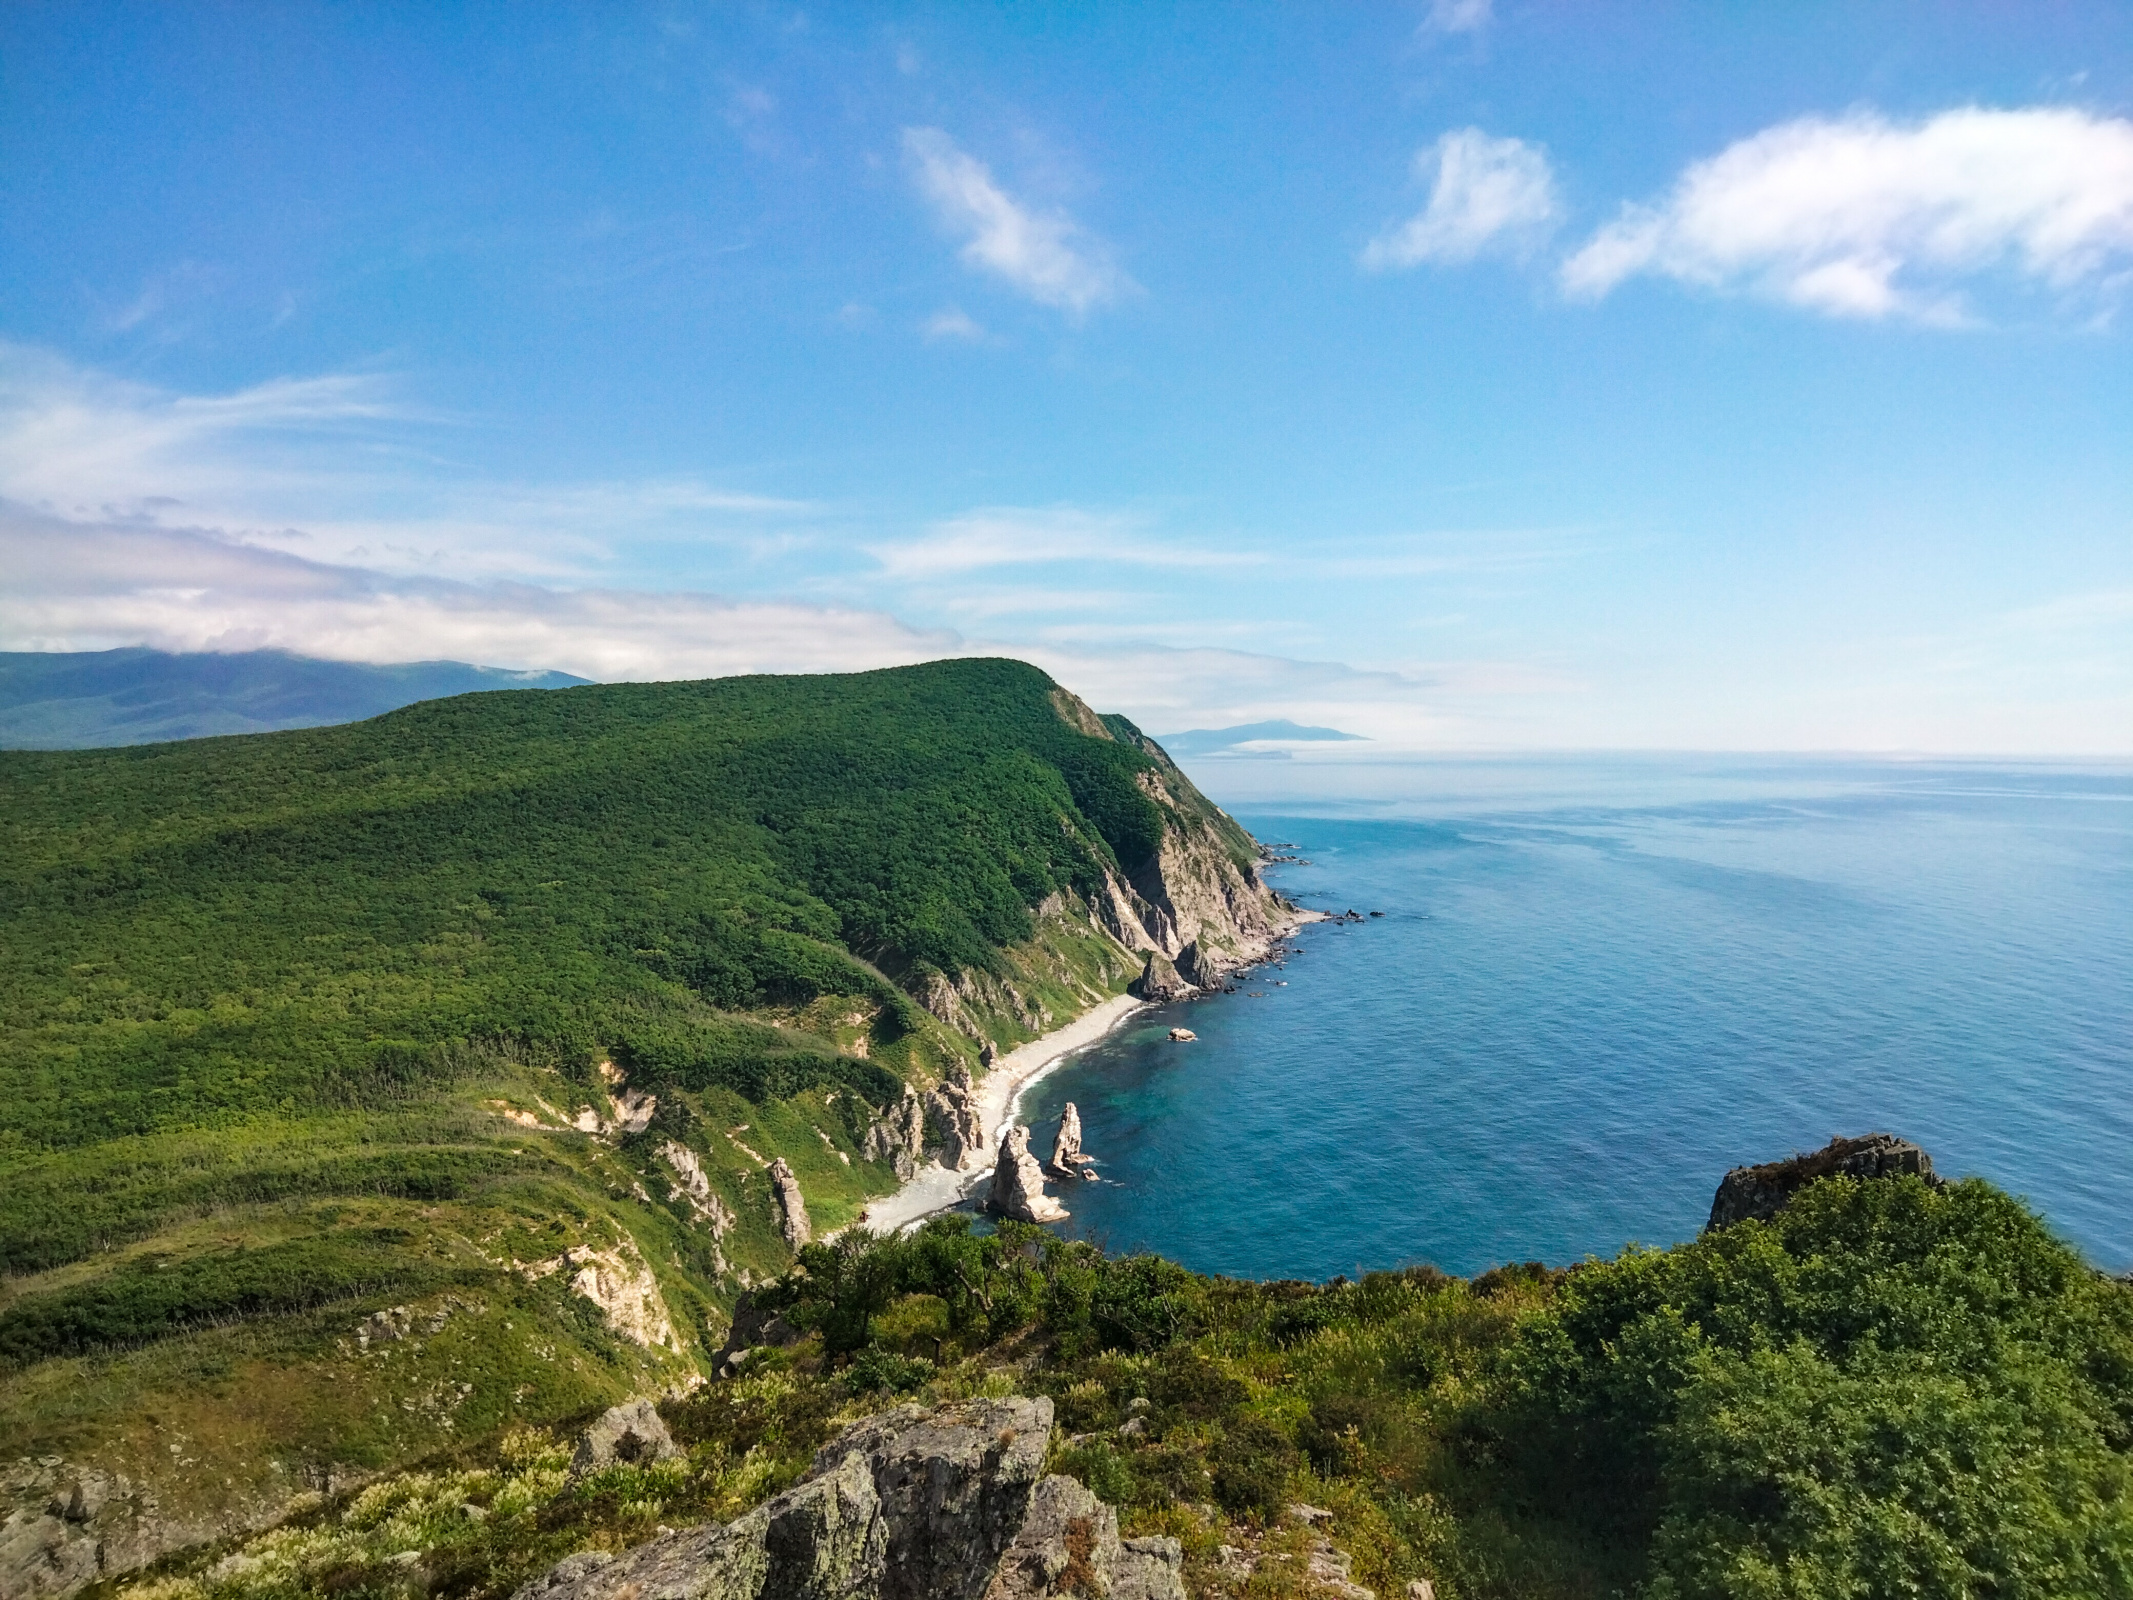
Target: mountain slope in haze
[90,699]
[1211,741]
[371,1087]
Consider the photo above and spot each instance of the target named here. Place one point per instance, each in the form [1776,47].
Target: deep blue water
[1599,985]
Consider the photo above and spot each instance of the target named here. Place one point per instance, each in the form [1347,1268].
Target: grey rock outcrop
[753,1327]
[631,1432]
[792,1205]
[1018,1182]
[1160,982]
[898,1135]
[947,1504]
[1069,1544]
[953,1122]
[1759,1193]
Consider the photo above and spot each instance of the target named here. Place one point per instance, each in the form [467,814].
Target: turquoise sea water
[1597,985]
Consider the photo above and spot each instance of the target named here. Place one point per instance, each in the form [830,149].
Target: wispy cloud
[86,585]
[1458,16]
[1487,195]
[338,467]
[951,323]
[1009,536]
[1862,217]
[1045,254]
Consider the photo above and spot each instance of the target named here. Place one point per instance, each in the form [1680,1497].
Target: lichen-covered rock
[1018,1182]
[1759,1193]
[792,1205]
[1069,1545]
[909,1505]
[631,1432]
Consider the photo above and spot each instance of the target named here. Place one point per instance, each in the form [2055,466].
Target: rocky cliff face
[948,1504]
[1759,1193]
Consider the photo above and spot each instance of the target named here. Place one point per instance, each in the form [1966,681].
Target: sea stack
[1018,1182]
[1067,1159]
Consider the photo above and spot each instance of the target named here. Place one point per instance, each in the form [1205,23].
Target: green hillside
[297,1026]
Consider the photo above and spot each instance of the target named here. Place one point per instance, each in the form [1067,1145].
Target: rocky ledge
[1759,1193]
[946,1504]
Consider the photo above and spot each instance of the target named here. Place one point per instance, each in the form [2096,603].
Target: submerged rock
[1759,1193]
[947,1504]
[1018,1182]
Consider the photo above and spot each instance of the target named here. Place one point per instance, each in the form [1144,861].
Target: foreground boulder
[1759,1193]
[947,1504]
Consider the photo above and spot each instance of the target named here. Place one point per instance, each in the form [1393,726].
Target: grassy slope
[1890,1390]
[268,1000]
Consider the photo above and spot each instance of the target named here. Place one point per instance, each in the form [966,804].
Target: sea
[1597,984]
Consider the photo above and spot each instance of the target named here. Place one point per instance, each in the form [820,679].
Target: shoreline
[934,1188]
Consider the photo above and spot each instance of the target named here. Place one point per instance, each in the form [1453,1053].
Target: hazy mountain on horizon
[77,700]
[1212,741]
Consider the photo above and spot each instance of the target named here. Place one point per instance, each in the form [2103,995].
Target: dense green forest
[297,1028]
[1888,1390]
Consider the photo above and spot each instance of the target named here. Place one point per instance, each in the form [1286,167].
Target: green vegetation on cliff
[297,1028]
[1889,1390]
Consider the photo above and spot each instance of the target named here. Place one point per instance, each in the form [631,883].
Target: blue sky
[1466,376]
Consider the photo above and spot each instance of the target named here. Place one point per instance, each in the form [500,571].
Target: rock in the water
[630,1433]
[1761,1192]
[792,1205]
[1182,1036]
[1067,1158]
[953,1122]
[1160,982]
[1018,1182]
[908,1505]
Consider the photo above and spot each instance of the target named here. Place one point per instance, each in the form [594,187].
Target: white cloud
[75,585]
[951,323]
[337,467]
[1486,194]
[1045,254]
[1861,217]
[1458,16]
[1006,536]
